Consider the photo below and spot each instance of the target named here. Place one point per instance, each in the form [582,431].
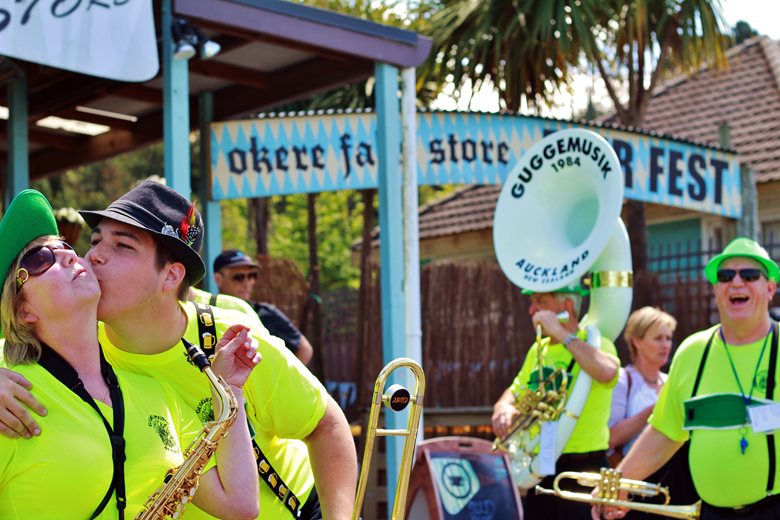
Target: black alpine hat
[162,211]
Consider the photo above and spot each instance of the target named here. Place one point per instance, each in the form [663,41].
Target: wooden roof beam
[37,135]
[232,73]
[289,84]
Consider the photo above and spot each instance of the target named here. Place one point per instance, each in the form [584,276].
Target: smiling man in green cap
[565,348]
[721,395]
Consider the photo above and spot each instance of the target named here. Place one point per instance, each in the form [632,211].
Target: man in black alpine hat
[144,250]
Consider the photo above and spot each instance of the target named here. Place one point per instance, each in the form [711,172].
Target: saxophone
[180,483]
[545,404]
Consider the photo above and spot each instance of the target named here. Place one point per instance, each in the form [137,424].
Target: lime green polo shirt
[65,472]
[591,432]
[723,476]
[285,402]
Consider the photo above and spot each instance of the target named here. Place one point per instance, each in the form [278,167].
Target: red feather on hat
[189,220]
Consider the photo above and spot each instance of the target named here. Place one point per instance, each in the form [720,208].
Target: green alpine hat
[575,288]
[742,247]
[29,216]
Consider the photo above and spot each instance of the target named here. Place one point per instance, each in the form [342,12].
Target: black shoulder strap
[770,391]
[628,390]
[207,333]
[67,375]
[703,362]
[213,300]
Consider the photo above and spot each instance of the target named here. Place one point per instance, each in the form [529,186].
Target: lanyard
[743,443]
[749,398]
[61,369]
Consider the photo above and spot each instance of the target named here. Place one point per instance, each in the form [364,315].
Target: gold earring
[22,275]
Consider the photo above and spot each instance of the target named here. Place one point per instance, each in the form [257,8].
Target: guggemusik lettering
[578,145]
[544,274]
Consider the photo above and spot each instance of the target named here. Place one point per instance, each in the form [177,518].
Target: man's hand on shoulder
[15,400]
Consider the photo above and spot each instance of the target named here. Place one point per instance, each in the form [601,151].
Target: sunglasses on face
[38,260]
[239,277]
[748,275]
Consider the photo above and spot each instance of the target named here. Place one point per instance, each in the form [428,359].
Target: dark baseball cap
[233,258]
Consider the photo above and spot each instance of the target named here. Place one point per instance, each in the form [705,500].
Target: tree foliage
[529,48]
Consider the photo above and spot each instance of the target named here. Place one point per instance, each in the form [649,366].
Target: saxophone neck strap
[207,334]
[56,365]
[207,329]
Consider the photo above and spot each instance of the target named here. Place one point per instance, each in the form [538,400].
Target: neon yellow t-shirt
[225,301]
[591,432]
[723,476]
[65,472]
[284,400]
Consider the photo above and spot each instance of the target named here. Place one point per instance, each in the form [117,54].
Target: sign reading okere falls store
[112,39]
[277,156]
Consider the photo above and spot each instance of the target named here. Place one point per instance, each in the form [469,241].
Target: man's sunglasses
[239,277]
[38,260]
[748,275]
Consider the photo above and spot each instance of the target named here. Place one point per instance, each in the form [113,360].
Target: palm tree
[528,49]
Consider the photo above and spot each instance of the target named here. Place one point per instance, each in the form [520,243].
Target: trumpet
[397,398]
[610,484]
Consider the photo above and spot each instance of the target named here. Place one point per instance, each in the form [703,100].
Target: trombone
[610,484]
[397,398]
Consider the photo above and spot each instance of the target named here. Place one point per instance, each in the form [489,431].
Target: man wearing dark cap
[722,397]
[144,250]
[565,347]
[235,274]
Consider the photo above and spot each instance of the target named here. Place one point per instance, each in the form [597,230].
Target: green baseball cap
[29,216]
[572,289]
[746,248]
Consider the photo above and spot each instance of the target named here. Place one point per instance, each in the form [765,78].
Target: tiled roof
[468,209]
[746,96]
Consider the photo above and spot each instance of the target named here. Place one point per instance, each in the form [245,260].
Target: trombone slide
[396,398]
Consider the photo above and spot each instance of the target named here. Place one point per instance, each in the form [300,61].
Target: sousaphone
[557,220]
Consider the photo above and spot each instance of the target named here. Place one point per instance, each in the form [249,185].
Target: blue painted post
[176,110]
[391,252]
[17,176]
[210,210]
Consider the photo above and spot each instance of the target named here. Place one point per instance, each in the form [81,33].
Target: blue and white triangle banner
[305,154]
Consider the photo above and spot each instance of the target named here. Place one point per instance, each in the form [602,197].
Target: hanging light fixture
[188,40]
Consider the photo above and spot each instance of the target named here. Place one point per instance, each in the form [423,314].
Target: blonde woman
[648,335]
[108,436]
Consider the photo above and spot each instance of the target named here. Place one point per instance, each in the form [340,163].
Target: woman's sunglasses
[747,275]
[38,260]
[239,277]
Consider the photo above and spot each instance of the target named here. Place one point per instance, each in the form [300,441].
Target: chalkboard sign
[462,480]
